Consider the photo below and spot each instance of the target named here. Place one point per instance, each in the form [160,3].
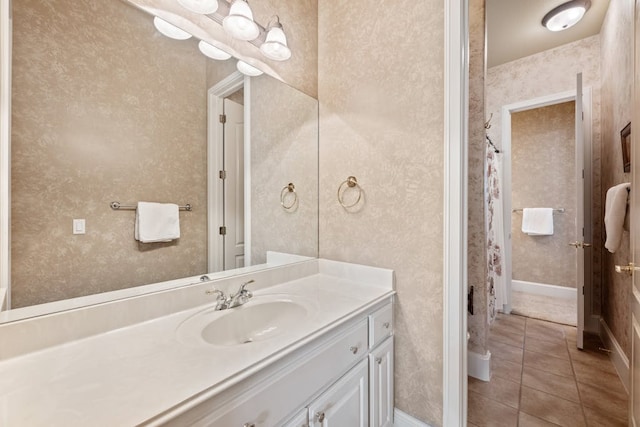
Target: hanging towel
[537,221]
[614,213]
[157,222]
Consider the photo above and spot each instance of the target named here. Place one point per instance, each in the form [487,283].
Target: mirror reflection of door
[233,192]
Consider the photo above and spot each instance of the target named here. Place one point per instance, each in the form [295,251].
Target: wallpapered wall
[617,93]
[546,73]
[104,109]
[543,175]
[476,251]
[381,119]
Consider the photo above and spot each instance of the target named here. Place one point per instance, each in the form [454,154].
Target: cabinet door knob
[379,360]
[249,425]
[353,349]
[386,325]
[320,417]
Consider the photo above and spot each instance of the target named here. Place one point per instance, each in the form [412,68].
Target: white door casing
[233,199]
[5,154]
[580,208]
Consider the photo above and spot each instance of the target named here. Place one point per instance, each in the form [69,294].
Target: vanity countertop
[129,375]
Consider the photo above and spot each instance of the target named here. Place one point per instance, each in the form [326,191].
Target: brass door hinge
[222,174]
[223,118]
[223,230]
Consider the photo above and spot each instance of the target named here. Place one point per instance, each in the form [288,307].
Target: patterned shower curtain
[496,289]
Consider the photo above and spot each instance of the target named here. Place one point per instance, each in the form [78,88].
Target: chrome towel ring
[289,188]
[350,182]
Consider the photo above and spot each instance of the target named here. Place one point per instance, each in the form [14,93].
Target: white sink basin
[258,320]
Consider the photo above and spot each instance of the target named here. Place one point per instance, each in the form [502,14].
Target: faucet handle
[242,287]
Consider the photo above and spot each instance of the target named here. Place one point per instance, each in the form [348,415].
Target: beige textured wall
[617,92]
[543,175]
[381,119]
[78,144]
[284,149]
[546,73]
[476,252]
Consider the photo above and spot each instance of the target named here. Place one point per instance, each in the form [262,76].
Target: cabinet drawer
[278,396]
[380,325]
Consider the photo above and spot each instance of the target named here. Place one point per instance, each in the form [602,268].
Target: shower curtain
[494,227]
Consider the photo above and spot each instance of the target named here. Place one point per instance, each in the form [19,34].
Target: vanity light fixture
[248,70]
[239,22]
[566,15]
[275,45]
[200,6]
[213,52]
[170,30]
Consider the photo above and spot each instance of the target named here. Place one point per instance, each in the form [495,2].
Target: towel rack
[559,210]
[116,206]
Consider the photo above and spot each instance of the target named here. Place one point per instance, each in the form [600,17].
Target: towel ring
[350,182]
[289,188]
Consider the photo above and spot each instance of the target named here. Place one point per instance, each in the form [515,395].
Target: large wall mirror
[106,109]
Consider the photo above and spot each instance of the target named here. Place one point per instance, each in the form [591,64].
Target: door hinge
[223,118]
[583,116]
[582,173]
[223,230]
[470,300]
[222,174]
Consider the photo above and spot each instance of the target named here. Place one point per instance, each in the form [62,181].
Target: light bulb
[212,52]
[248,70]
[204,7]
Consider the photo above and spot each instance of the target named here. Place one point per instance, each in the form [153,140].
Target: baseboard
[479,365]
[617,356]
[543,289]
[401,419]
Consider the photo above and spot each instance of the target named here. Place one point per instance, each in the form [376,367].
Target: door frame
[5,154]
[215,162]
[591,321]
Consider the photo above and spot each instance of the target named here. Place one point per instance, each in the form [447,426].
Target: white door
[579,233]
[234,185]
[345,403]
[634,403]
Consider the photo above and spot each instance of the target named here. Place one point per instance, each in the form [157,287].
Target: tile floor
[540,378]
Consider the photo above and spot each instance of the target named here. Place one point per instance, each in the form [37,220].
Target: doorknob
[580,244]
[629,269]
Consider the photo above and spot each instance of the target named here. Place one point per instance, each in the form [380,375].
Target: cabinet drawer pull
[249,425]
[386,325]
[379,360]
[353,349]
[320,417]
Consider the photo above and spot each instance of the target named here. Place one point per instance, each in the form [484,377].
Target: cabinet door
[345,403]
[381,384]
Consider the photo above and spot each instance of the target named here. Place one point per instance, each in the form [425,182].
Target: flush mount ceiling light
[213,52]
[275,45]
[170,30]
[239,23]
[248,70]
[200,6]
[566,15]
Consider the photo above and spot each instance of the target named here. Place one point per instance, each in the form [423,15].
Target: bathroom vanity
[312,347]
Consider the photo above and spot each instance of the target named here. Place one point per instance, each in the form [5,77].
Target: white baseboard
[479,365]
[402,419]
[543,289]
[617,356]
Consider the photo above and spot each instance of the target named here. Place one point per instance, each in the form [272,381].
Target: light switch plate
[78,226]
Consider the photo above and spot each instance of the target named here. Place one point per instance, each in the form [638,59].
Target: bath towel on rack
[157,222]
[537,221]
[614,214]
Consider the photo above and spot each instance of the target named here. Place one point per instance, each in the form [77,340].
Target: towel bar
[116,206]
[559,210]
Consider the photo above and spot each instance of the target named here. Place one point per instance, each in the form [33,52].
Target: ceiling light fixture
[566,15]
[239,23]
[204,7]
[275,45]
[213,52]
[248,70]
[170,30]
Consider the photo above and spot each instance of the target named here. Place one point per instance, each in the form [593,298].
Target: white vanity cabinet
[337,379]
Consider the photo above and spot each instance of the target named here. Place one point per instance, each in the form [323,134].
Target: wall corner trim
[617,356]
[402,419]
[479,365]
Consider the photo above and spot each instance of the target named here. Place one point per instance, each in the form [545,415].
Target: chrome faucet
[241,297]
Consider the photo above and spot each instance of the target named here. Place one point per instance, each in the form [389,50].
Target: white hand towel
[157,222]
[614,213]
[537,221]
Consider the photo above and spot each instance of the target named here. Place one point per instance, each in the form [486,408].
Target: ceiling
[514,28]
